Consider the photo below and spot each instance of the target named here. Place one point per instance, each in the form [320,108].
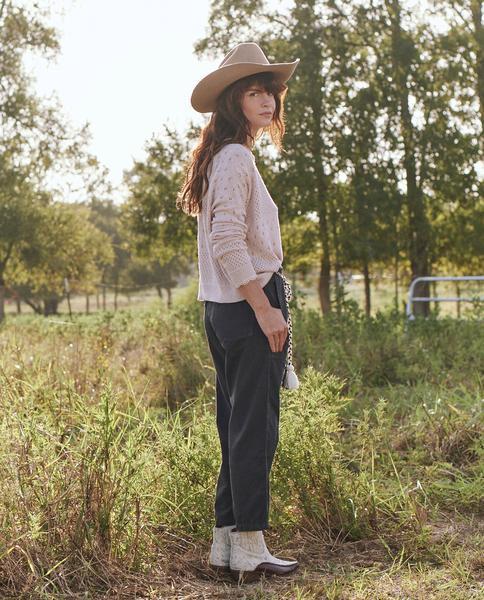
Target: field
[109,457]
[382,296]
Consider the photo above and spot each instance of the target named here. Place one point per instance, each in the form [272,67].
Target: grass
[110,457]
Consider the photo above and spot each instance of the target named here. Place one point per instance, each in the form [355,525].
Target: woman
[246,296]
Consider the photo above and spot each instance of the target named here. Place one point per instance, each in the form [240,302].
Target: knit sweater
[238,234]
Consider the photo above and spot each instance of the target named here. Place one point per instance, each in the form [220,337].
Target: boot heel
[245,576]
[219,569]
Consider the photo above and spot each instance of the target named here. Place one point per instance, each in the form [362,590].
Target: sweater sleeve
[231,190]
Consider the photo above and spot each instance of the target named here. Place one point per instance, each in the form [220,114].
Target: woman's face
[258,107]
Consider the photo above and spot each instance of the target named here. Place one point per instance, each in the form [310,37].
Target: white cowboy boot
[250,558]
[219,558]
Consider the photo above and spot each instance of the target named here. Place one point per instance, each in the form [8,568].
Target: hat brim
[207,90]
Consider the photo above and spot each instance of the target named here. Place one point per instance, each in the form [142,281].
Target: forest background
[380,179]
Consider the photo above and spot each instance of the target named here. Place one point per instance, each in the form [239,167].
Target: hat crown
[246,52]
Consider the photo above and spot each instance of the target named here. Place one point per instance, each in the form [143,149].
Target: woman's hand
[270,318]
[274,326]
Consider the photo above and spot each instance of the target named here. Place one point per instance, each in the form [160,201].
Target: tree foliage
[383,127]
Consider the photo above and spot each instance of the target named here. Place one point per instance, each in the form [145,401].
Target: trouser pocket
[234,321]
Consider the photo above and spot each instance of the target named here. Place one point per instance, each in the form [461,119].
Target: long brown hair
[227,125]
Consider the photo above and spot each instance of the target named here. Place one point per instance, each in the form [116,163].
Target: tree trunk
[366,274]
[3,266]
[37,308]
[476,10]
[325,267]
[50,306]
[396,281]
[338,286]
[324,284]
[419,228]
[87,304]
[2,300]
[68,296]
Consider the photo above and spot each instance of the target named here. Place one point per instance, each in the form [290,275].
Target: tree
[19,112]
[68,247]
[20,217]
[402,143]
[369,211]
[463,44]
[157,231]
[35,142]
[146,272]
[106,216]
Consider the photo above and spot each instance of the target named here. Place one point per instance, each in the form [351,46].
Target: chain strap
[288,297]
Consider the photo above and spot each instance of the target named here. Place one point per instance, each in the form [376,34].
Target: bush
[311,485]
[384,349]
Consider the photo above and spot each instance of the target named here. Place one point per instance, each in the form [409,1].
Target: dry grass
[109,460]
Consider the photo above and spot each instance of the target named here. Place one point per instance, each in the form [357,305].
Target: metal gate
[412,298]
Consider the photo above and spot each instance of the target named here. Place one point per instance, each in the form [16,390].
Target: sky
[126,68]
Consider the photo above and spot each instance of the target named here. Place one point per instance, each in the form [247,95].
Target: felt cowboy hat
[245,59]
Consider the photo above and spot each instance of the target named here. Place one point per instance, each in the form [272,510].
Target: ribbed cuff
[239,276]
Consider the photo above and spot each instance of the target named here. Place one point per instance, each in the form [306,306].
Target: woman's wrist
[255,296]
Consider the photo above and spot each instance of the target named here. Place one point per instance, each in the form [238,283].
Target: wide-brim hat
[243,60]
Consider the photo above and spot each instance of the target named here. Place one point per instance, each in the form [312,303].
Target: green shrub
[311,486]
[384,349]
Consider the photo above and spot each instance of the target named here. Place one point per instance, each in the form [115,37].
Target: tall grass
[110,453]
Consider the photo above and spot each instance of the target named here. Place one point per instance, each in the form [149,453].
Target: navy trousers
[248,380]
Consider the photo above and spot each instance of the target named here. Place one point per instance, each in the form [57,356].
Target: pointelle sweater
[238,233]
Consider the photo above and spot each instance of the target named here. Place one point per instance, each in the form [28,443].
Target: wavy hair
[227,125]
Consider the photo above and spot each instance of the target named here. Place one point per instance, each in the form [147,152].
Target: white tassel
[290,381]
